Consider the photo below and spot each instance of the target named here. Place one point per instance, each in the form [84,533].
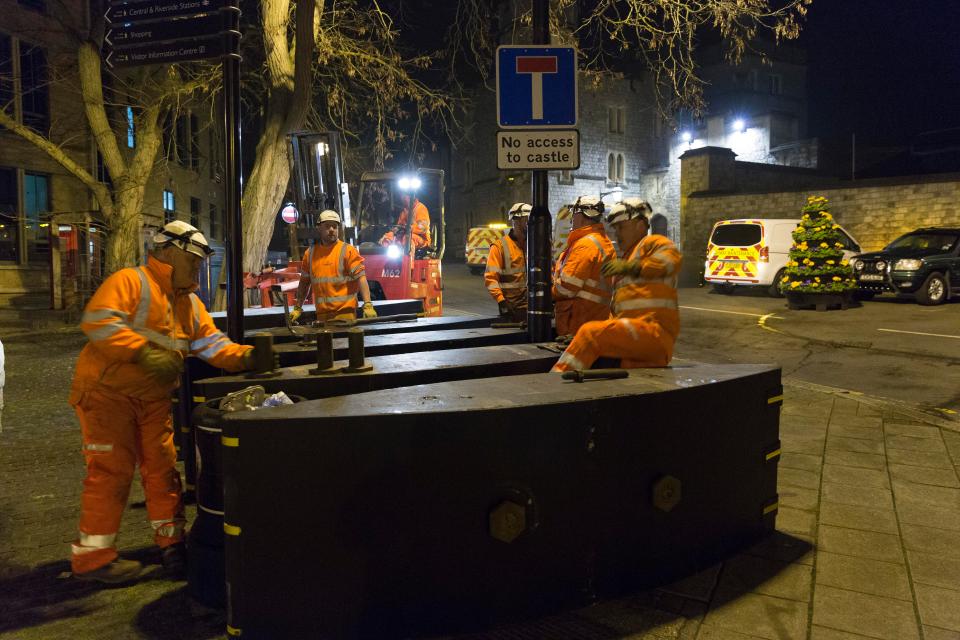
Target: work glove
[250,358]
[620,268]
[295,314]
[369,311]
[506,311]
[162,365]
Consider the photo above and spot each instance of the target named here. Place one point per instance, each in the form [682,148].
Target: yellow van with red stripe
[754,252]
[478,244]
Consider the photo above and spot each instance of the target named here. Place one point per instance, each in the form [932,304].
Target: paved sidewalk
[868,541]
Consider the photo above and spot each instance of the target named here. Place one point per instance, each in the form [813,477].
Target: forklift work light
[393,252]
[409,183]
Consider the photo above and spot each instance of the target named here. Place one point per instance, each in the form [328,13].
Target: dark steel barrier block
[282,334]
[451,506]
[265,317]
[400,370]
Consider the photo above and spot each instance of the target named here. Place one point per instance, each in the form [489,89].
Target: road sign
[121,35]
[165,52]
[536,86]
[538,149]
[289,213]
[132,11]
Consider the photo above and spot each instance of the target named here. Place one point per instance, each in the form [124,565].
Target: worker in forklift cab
[335,271]
[421,224]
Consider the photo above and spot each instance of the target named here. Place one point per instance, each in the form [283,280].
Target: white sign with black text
[538,149]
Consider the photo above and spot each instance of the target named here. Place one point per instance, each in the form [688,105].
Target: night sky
[885,69]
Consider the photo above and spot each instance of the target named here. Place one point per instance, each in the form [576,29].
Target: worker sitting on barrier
[645,319]
[580,293]
[506,274]
[334,270]
[140,323]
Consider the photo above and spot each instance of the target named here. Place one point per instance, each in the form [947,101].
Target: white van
[753,253]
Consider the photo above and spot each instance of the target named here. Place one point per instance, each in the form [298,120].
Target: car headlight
[394,252]
[881,265]
[907,264]
[858,265]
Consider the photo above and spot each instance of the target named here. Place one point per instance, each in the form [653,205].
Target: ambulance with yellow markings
[754,253]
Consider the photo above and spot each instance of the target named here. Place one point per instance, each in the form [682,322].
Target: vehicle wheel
[725,289]
[933,291]
[774,289]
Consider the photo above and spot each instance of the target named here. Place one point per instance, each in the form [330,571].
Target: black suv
[924,263]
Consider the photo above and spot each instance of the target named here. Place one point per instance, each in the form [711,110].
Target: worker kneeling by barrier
[452,506]
[205,539]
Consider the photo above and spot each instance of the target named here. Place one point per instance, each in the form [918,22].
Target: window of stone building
[182,140]
[167,139]
[616,168]
[6,72]
[468,174]
[657,125]
[34,90]
[131,128]
[214,222]
[194,142]
[36,5]
[616,119]
[195,213]
[776,84]
[9,219]
[660,225]
[565,177]
[169,206]
[36,203]
[102,174]
[754,80]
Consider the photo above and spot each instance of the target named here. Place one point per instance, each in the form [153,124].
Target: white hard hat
[183,236]
[329,215]
[590,206]
[628,209]
[520,210]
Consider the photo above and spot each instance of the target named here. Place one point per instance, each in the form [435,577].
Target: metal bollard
[264,357]
[355,349]
[324,354]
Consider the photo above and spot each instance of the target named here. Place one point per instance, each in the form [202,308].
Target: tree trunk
[123,241]
[263,193]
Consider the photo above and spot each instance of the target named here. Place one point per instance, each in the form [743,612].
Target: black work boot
[174,559]
[117,572]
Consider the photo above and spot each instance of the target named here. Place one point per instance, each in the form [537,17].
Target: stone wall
[873,211]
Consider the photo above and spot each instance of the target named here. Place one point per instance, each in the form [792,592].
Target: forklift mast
[318,179]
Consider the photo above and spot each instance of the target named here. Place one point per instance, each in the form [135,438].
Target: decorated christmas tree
[816,262]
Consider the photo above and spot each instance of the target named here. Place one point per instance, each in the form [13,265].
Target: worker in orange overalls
[645,319]
[421,224]
[141,323]
[580,293]
[506,274]
[335,271]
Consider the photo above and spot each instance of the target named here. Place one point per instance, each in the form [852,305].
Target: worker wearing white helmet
[334,271]
[506,273]
[141,323]
[645,319]
[580,293]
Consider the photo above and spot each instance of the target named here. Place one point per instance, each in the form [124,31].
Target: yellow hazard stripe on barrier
[773,454]
[771,507]
[775,399]
[227,441]
[233,631]
[199,399]
[231,530]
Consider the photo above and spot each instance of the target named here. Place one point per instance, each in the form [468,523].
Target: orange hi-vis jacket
[506,274]
[653,294]
[580,293]
[335,272]
[138,305]
[421,224]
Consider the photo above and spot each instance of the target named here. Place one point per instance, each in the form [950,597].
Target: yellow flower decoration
[785,279]
[794,284]
[838,245]
[814,284]
[844,262]
[831,262]
[817,279]
[825,245]
[836,278]
[836,226]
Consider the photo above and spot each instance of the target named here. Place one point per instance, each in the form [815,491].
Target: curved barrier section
[444,507]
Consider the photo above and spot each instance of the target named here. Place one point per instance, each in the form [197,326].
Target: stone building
[50,228]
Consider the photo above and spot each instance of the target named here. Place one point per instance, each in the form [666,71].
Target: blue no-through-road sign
[536,86]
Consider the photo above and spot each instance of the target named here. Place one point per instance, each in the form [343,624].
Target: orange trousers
[638,342]
[573,314]
[118,432]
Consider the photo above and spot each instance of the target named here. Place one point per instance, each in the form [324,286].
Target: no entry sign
[289,213]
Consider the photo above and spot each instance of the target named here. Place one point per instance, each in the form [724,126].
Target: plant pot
[820,301]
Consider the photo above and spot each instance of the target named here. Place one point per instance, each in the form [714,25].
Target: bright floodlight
[686,136]
[411,183]
[393,252]
[739,125]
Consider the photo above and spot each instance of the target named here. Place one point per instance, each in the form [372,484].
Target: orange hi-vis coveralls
[420,228]
[645,321]
[335,272]
[580,293]
[506,274]
[125,416]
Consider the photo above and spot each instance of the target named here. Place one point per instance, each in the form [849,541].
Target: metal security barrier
[444,507]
